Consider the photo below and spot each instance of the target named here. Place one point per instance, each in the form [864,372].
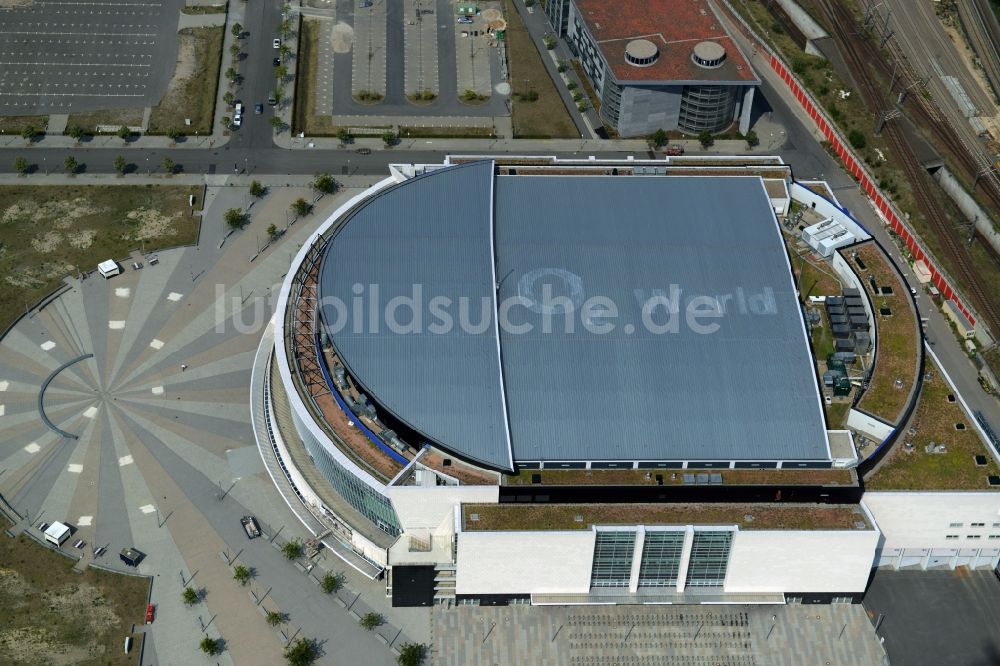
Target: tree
[285,51]
[272,231]
[281,72]
[300,207]
[234,49]
[29,132]
[70,164]
[389,138]
[174,133]
[229,98]
[857,139]
[331,582]
[257,190]
[231,74]
[292,550]
[120,164]
[124,132]
[190,596]
[168,165]
[343,135]
[751,139]
[285,27]
[242,574]
[658,139]
[302,652]
[324,183]
[225,121]
[370,620]
[211,646]
[21,165]
[76,132]
[277,123]
[235,218]
[411,654]
[706,139]
[237,30]
[279,95]
[274,618]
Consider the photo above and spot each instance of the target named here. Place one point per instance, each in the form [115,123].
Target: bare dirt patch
[47,233]
[50,615]
[342,38]
[191,92]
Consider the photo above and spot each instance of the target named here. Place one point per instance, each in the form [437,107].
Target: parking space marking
[49,94]
[41,33]
[76,64]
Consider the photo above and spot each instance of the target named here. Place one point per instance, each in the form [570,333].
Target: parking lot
[938,617]
[57,56]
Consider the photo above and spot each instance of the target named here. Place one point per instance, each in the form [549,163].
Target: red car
[149,613]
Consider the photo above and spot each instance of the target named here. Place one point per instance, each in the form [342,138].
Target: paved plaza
[57,55]
[160,452]
[796,635]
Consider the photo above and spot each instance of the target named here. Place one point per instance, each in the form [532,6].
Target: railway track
[859,54]
[984,33]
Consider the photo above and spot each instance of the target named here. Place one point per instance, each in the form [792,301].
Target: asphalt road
[261,22]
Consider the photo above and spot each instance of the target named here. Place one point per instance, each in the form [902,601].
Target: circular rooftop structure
[709,54]
[641,52]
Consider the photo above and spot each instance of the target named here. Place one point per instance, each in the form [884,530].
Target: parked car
[238,120]
[258,108]
[239,108]
[272,99]
[674,150]
[364,151]
[465,19]
[276,43]
[276,62]
[250,526]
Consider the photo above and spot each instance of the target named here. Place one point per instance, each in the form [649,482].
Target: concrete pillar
[745,108]
[682,571]
[899,560]
[640,539]
[927,558]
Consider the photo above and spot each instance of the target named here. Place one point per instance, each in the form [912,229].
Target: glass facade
[661,559]
[707,108]
[612,559]
[372,504]
[709,558]
[611,102]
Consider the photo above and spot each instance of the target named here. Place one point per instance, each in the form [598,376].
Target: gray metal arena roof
[746,391]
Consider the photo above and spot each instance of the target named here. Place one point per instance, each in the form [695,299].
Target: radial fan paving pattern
[165,391]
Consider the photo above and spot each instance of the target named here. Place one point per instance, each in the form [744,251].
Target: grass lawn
[47,233]
[305,117]
[447,132]
[836,413]
[51,615]
[564,516]
[205,9]
[897,339]
[935,420]
[14,124]
[546,117]
[192,90]
[130,117]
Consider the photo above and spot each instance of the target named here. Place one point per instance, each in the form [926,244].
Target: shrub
[21,165]
[331,582]
[370,620]
[411,654]
[190,596]
[235,218]
[857,139]
[241,574]
[211,646]
[302,652]
[706,139]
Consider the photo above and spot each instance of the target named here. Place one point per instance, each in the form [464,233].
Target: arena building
[658,64]
[546,381]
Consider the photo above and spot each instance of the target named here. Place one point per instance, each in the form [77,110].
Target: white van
[109,268]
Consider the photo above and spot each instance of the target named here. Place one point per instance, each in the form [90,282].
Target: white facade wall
[801,561]
[924,519]
[827,208]
[525,562]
